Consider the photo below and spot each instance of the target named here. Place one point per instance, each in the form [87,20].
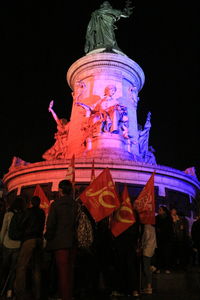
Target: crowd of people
[47,260]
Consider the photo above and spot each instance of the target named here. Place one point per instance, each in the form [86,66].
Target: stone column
[88,78]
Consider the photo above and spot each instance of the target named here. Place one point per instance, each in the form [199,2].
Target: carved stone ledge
[89,65]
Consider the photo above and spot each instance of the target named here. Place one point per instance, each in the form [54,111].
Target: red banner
[100,197]
[44,202]
[145,202]
[124,216]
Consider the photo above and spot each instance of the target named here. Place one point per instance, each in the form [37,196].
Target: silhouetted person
[10,247]
[195,233]
[148,248]
[180,250]
[126,262]
[164,236]
[31,250]
[61,239]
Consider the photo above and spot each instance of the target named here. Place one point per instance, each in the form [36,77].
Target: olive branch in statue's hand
[128,10]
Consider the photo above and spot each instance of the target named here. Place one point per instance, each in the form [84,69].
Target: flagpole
[71,175]
[74,192]
[140,258]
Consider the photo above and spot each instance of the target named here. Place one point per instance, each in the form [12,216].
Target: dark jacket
[181,230]
[195,233]
[33,223]
[60,226]
[164,229]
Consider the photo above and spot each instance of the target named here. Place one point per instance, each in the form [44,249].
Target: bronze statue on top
[100,30]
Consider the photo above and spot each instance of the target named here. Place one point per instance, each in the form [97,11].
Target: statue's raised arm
[52,111]
[100,30]
[60,122]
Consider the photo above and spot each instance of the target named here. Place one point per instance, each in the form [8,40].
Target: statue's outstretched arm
[53,112]
[86,107]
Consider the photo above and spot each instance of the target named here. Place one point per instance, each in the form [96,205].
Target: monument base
[108,146]
[132,173]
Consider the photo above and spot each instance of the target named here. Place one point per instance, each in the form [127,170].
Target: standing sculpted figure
[143,139]
[59,149]
[146,152]
[100,30]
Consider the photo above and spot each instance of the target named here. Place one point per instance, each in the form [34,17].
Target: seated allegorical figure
[107,115]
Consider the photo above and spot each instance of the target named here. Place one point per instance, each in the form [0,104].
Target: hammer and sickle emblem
[102,202]
[145,203]
[102,193]
[122,220]
[148,202]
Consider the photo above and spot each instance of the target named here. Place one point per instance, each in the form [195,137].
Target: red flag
[92,172]
[71,171]
[100,197]
[124,216]
[44,202]
[145,202]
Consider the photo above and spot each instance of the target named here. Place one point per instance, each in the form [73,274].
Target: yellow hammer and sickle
[120,219]
[102,202]
[102,193]
[90,193]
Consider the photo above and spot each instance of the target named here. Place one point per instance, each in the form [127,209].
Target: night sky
[39,42]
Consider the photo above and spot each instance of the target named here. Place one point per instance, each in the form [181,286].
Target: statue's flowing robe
[100,31]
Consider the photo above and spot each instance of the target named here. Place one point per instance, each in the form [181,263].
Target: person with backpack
[10,246]
[31,250]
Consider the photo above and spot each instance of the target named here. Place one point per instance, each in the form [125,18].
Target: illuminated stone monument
[103,122]
[105,84]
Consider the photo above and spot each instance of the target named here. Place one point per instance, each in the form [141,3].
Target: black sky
[39,42]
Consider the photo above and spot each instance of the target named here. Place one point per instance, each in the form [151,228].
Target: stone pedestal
[122,170]
[88,77]
[108,146]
